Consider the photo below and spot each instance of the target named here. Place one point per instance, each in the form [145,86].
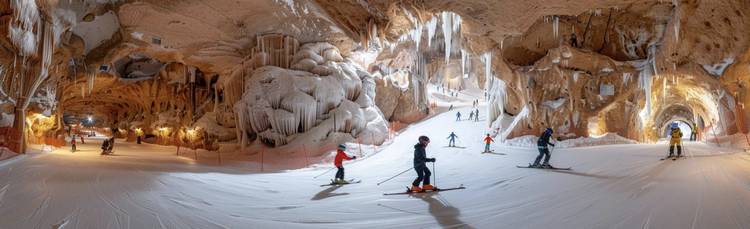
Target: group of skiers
[472,116]
[107,145]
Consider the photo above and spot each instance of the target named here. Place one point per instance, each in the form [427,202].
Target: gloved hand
[552,144]
[354,157]
[433,160]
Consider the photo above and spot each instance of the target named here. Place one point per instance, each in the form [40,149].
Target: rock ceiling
[123,62]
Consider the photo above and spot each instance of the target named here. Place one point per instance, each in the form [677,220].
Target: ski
[665,158]
[544,167]
[460,147]
[334,183]
[409,191]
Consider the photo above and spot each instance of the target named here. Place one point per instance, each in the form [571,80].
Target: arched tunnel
[221,106]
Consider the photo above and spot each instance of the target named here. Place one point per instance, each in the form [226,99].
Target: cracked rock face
[163,68]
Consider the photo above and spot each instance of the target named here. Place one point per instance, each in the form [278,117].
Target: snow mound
[529,141]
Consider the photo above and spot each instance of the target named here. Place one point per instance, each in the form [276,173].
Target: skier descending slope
[73,143]
[541,144]
[487,146]
[420,158]
[340,156]
[471,116]
[452,142]
[676,139]
[458,116]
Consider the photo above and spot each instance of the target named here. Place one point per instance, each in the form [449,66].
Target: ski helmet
[342,147]
[550,131]
[424,140]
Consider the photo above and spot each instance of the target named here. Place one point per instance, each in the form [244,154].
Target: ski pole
[434,174]
[325,172]
[400,173]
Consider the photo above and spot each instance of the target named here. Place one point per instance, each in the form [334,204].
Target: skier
[471,115]
[111,143]
[476,116]
[487,146]
[458,116]
[73,143]
[451,108]
[676,139]
[452,142]
[340,156]
[420,158]
[573,40]
[541,144]
[105,147]
[694,133]
[82,142]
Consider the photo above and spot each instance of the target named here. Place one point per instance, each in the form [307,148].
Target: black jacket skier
[420,158]
[541,144]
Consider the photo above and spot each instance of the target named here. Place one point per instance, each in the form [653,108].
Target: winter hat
[550,131]
[342,147]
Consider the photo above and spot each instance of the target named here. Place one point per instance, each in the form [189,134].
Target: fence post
[715,137]
[261,156]
[306,160]
[360,146]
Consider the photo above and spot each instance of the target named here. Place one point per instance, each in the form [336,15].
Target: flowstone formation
[306,92]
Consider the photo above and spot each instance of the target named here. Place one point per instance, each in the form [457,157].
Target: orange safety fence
[10,138]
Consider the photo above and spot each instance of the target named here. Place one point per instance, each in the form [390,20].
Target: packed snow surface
[614,186]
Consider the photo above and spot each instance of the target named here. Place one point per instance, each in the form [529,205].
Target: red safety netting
[10,138]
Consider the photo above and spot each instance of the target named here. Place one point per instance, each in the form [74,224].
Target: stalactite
[447,32]
[677,30]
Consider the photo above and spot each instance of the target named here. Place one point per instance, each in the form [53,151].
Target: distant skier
[420,158]
[471,115]
[452,142]
[82,142]
[340,156]
[676,139]
[541,144]
[458,116]
[693,133]
[73,143]
[573,40]
[476,116]
[451,108]
[105,146]
[487,146]
[111,144]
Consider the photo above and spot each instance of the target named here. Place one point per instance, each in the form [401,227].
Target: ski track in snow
[613,186]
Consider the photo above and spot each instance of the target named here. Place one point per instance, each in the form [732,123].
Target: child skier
[452,142]
[73,143]
[458,116]
[676,139]
[471,115]
[420,158]
[541,144]
[487,146]
[105,147]
[340,156]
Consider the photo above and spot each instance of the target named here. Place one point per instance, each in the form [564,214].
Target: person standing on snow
[458,116]
[73,143]
[111,143]
[487,146]
[476,116]
[420,158]
[694,133]
[452,142]
[82,140]
[541,144]
[340,156]
[471,115]
[676,139]
[451,108]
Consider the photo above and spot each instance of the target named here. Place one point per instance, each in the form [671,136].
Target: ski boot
[546,165]
[416,189]
[535,165]
[342,181]
[428,187]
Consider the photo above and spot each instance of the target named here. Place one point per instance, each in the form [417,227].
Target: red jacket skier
[340,156]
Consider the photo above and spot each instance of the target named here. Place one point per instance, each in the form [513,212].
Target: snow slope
[614,186]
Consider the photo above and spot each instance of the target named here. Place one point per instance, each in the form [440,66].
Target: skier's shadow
[328,193]
[445,214]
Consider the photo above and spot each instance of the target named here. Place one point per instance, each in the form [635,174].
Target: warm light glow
[191,131]
[163,129]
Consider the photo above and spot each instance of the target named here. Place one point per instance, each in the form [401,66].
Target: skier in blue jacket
[541,144]
[458,116]
[452,142]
